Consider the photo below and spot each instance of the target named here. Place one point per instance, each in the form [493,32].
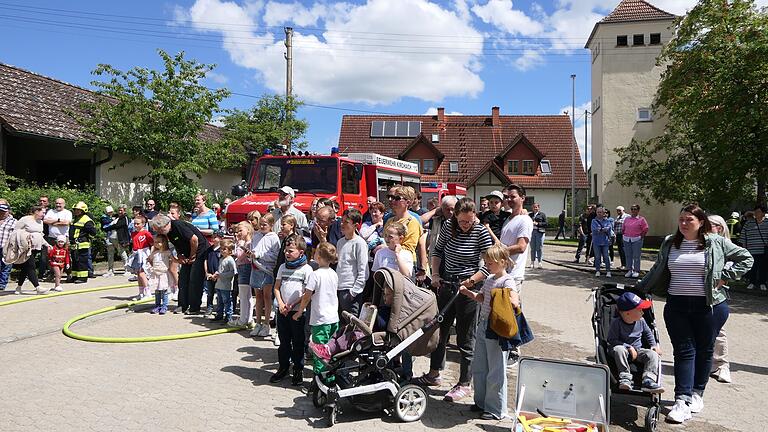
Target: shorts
[243,274]
[259,278]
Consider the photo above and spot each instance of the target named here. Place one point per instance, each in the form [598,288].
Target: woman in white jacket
[32,226]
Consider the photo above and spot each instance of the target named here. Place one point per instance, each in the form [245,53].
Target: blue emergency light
[267,152]
[334,150]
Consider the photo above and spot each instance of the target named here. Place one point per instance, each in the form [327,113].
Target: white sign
[384,161]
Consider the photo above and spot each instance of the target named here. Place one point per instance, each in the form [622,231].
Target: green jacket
[718,251]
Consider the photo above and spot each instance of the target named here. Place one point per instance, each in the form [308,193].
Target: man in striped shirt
[754,237]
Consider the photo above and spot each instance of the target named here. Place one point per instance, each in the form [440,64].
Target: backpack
[502,319]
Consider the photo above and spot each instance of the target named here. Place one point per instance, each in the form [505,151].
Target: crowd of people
[297,273]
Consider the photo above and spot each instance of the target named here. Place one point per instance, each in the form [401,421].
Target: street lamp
[573,154]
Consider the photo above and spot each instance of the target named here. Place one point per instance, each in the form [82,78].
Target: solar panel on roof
[414,128]
[390,129]
[377,128]
[402,129]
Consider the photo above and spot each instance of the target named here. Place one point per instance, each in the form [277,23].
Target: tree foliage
[268,124]
[159,116]
[714,95]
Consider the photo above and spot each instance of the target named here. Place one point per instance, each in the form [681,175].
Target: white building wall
[623,80]
[551,200]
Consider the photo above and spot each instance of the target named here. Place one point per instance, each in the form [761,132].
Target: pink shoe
[320,350]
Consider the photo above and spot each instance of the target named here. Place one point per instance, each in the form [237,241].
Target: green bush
[553,225]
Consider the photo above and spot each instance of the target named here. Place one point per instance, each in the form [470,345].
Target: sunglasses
[394,197]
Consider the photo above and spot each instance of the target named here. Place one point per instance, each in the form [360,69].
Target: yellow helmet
[81,206]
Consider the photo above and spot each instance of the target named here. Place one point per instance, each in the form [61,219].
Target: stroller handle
[453,286]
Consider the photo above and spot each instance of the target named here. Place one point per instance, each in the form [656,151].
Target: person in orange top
[58,258]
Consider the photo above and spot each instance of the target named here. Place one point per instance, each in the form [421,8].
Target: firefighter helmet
[81,206]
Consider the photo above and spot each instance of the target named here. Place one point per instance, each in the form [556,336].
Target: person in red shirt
[58,258]
[142,241]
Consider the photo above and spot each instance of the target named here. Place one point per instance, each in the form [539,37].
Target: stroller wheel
[652,418]
[332,412]
[318,397]
[410,403]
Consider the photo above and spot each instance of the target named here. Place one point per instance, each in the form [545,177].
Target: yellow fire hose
[63,293]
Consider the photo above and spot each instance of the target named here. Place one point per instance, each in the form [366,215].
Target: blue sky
[389,56]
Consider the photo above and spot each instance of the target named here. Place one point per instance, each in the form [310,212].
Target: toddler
[160,278]
[58,257]
[224,277]
[142,243]
[627,335]
[210,265]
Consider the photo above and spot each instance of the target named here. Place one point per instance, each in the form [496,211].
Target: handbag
[502,318]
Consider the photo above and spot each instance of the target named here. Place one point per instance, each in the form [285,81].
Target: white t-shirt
[325,302]
[515,228]
[57,230]
[292,284]
[386,258]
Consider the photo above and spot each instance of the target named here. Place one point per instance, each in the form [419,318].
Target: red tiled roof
[636,10]
[473,142]
[35,104]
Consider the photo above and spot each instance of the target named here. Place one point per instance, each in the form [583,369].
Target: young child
[265,247]
[353,263]
[321,290]
[224,277]
[394,256]
[58,257]
[627,335]
[243,234]
[490,362]
[160,277]
[142,244]
[292,277]
[210,265]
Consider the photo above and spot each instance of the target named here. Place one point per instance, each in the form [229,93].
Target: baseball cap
[109,209]
[5,207]
[734,215]
[620,208]
[629,301]
[288,190]
[495,194]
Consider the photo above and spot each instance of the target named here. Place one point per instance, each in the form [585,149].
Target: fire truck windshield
[313,175]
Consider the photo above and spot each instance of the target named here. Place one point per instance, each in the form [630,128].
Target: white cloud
[431,111]
[293,13]
[578,131]
[502,14]
[347,63]
[529,60]
[217,77]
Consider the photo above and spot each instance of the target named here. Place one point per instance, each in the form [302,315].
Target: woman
[457,256]
[691,270]
[373,231]
[721,368]
[634,231]
[32,226]
[602,231]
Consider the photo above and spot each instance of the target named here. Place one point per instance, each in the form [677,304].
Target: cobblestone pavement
[220,383]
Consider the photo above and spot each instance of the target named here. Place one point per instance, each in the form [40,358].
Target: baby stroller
[366,374]
[605,309]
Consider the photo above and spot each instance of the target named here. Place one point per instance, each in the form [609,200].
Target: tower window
[621,41]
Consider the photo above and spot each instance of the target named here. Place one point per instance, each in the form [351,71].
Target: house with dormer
[482,152]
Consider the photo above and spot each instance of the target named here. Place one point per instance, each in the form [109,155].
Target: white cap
[109,209]
[620,208]
[735,215]
[288,190]
[61,238]
[495,194]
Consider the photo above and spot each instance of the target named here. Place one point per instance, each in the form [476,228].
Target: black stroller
[367,374]
[605,309]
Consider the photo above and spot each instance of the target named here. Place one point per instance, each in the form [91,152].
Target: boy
[627,335]
[352,268]
[292,277]
[210,266]
[224,277]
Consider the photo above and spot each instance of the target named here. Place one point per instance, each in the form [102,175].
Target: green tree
[267,125]
[159,117]
[714,95]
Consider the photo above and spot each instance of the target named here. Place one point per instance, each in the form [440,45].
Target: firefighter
[81,232]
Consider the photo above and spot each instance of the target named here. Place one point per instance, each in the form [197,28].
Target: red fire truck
[438,190]
[348,179]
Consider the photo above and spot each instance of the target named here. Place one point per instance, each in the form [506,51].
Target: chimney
[441,115]
[495,117]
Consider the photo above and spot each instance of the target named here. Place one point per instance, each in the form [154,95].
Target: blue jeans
[601,253]
[632,251]
[537,242]
[693,326]
[210,291]
[489,373]
[161,298]
[5,271]
[225,304]
[291,334]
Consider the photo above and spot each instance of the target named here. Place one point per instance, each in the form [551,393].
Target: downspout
[97,164]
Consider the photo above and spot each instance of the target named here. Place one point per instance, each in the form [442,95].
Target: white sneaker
[276,340]
[751,286]
[763,287]
[265,331]
[58,288]
[597,273]
[697,403]
[175,296]
[18,291]
[42,290]
[256,330]
[724,374]
[540,266]
[133,278]
[628,274]
[635,275]
[109,273]
[607,274]
[679,413]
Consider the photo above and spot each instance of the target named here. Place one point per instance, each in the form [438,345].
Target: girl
[243,235]
[253,218]
[223,277]
[265,246]
[394,256]
[490,362]
[160,277]
[142,242]
[721,367]
[58,257]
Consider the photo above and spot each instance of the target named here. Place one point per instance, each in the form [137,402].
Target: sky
[349,57]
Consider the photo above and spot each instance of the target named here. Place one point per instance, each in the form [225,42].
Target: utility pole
[288,76]
[573,154]
[586,171]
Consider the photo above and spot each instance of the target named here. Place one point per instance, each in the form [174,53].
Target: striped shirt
[206,221]
[751,239]
[687,268]
[461,255]
[618,224]
[506,281]
[6,228]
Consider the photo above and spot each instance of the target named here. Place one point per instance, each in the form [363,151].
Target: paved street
[220,383]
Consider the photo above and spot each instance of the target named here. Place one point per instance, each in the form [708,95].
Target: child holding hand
[224,277]
[160,277]
[58,257]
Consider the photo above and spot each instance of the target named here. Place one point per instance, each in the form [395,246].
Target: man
[436,218]
[517,231]
[327,227]
[57,220]
[484,205]
[81,231]
[192,250]
[539,230]
[494,217]
[560,225]
[585,233]
[416,205]
[150,211]
[618,229]
[117,239]
[286,198]
[754,237]
[367,215]
[7,222]
[734,225]
[42,268]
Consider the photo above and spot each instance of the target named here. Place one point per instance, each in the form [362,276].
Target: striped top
[460,255]
[206,220]
[687,268]
[506,281]
[750,236]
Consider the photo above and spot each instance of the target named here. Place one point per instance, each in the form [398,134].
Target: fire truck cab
[347,179]
[439,190]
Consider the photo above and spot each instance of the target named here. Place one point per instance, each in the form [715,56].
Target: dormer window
[528,167]
[546,167]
